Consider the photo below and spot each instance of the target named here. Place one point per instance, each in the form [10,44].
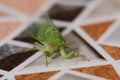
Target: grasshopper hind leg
[72,53]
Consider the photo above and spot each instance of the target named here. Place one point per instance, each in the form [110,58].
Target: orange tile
[2,14]
[96,30]
[7,27]
[28,7]
[36,76]
[105,71]
[112,50]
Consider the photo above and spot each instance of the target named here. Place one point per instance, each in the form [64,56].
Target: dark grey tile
[1,75]
[11,56]
[64,12]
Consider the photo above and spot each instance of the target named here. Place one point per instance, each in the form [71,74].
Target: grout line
[100,19]
[73,3]
[85,74]
[61,23]
[3,78]
[19,43]
[109,43]
[11,11]
[46,6]
[109,31]
[75,73]
[118,61]
[11,19]
[9,76]
[99,49]
[57,75]
[3,72]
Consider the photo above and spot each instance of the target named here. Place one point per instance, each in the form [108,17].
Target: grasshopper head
[49,50]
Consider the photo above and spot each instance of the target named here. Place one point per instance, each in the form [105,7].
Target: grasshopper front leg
[46,58]
[41,47]
[47,54]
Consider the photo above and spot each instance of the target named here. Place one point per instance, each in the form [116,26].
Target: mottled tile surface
[105,71]
[96,30]
[112,51]
[36,76]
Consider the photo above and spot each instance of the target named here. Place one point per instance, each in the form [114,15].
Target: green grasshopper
[49,40]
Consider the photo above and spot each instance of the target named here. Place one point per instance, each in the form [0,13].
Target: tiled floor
[97,42]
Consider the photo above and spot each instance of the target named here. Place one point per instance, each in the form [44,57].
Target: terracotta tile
[96,30]
[7,27]
[112,50]
[36,76]
[28,7]
[2,14]
[105,71]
